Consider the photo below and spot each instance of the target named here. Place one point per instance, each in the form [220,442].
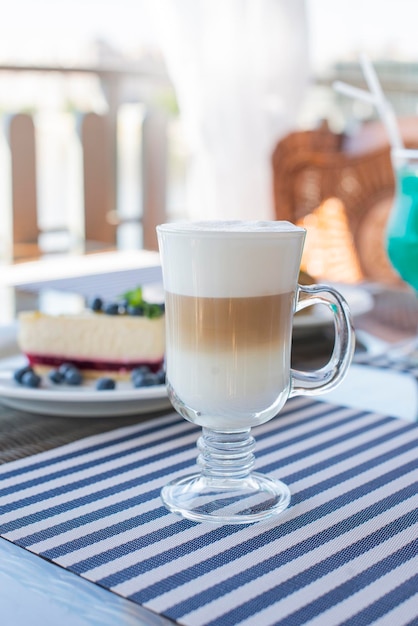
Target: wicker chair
[341,189]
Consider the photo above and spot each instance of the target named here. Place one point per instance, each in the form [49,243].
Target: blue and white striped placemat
[345,552]
[390,361]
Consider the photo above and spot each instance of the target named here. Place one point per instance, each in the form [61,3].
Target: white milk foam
[231,259]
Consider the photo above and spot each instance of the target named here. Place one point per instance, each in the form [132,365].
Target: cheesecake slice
[96,343]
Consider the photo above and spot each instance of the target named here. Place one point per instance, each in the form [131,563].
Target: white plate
[359,300]
[83,401]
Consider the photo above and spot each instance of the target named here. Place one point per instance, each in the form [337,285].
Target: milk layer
[224,396]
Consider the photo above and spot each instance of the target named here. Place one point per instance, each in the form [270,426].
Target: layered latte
[229,321]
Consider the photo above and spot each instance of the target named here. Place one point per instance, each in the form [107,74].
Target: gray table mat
[22,434]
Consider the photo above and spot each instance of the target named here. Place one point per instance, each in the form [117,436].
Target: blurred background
[119,114]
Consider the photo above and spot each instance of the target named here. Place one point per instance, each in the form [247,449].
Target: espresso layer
[228,324]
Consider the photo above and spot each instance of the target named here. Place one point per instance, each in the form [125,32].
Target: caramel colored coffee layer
[228,324]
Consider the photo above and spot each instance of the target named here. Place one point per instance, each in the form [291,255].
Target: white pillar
[240,70]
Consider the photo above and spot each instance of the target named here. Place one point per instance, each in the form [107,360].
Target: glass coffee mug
[231,290]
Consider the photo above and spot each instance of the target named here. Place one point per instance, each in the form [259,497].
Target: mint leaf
[133,297]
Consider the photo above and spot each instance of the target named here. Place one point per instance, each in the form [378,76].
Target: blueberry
[137,379]
[161,376]
[73,376]
[30,379]
[140,371]
[145,380]
[122,306]
[137,311]
[96,305]
[55,376]
[18,375]
[64,367]
[105,383]
[112,308]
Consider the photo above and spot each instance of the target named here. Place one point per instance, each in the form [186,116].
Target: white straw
[405,153]
[372,80]
[384,108]
[354,92]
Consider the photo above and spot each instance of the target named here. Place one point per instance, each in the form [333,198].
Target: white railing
[92,147]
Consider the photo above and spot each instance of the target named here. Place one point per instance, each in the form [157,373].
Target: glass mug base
[235,501]
[226,491]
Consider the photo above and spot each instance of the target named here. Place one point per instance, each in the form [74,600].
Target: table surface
[54,593]
[93,508]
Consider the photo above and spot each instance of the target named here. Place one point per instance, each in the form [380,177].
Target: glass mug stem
[226,490]
[225,454]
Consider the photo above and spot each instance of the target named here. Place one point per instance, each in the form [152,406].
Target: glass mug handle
[310,383]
